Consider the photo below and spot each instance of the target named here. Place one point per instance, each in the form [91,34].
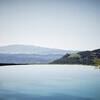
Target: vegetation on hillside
[85,57]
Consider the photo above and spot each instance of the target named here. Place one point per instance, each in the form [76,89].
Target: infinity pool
[49,82]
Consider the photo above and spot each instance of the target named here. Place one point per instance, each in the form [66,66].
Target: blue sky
[63,24]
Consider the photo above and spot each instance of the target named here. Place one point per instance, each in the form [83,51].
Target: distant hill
[27,58]
[85,57]
[26,54]
[29,49]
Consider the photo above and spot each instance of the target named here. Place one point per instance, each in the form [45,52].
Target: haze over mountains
[29,49]
[25,54]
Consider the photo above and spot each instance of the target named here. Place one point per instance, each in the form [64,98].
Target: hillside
[27,58]
[27,54]
[85,57]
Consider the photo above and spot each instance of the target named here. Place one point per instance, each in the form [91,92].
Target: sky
[62,24]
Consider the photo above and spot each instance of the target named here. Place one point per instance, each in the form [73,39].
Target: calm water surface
[49,82]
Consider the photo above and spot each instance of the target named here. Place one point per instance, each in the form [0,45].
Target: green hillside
[85,57]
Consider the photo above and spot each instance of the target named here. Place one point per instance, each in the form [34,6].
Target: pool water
[49,82]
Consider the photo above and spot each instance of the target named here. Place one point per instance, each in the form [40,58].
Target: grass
[74,55]
[97,62]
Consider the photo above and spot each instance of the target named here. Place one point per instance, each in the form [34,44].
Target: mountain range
[29,49]
[27,54]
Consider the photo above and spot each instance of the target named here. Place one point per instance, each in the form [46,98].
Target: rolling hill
[85,57]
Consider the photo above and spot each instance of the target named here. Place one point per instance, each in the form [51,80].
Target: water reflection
[96,67]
